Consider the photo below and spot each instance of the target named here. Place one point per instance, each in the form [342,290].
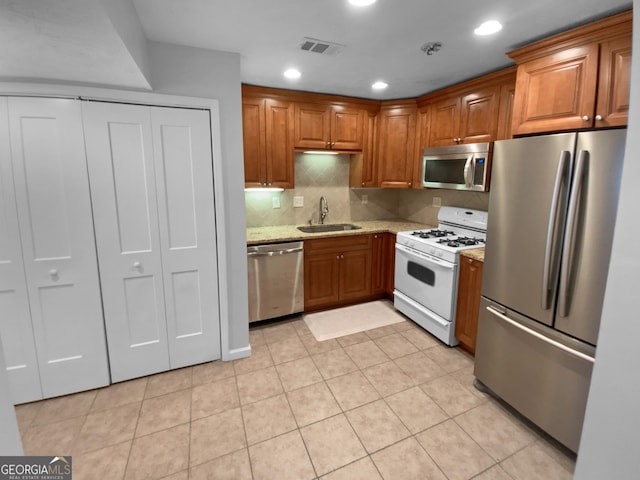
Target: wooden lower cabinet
[340,270]
[384,256]
[468,307]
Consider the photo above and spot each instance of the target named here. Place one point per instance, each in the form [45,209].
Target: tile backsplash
[328,176]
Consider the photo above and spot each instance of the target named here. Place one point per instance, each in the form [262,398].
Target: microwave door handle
[468,171]
[568,252]
[548,269]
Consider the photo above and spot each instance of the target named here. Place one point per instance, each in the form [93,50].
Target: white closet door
[54,212]
[184,173]
[123,191]
[15,317]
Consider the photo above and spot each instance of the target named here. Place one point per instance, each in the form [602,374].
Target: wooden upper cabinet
[423,132]
[321,126]
[253,135]
[470,112]
[396,145]
[479,115]
[267,131]
[280,156]
[445,122]
[505,115]
[556,92]
[578,79]
[613,86]
[362,166]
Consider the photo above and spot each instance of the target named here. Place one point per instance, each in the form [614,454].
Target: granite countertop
[475,253]
[290,233]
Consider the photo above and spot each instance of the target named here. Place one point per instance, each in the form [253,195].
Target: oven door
[427,280]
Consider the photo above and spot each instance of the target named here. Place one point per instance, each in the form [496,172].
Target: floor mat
[356,318]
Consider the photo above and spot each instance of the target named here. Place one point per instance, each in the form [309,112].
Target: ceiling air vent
[320,46]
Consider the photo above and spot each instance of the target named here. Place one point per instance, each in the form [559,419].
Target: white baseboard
[237,353]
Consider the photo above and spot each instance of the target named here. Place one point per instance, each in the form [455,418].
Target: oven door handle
[429,258]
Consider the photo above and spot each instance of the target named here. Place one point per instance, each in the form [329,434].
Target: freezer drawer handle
[277,252]
[549,269]
[539,336]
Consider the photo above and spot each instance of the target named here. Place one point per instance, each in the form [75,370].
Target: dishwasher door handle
[272,254]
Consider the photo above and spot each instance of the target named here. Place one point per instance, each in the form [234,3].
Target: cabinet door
[279,134]
[396,147]
[479,115]
[445,122]
[391,264]
[468,304]
[379,263]
[123,191]
[254,142]
[347,128]
[505,115]
[321,280]
[54,212]
[184,180]
[613,87]
[556,92]
[16,331]
[355,275]
[362,166]
[312,126]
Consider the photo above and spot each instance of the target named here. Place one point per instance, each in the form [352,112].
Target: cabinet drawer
[337,244]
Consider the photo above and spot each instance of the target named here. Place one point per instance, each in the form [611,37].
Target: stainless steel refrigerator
[552,211]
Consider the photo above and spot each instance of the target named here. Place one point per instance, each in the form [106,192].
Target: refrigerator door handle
[570,233]
[540,336]
[550,246]
[468,175]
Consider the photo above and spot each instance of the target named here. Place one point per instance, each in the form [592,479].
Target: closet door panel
[15,318]
[184,172]
[55,217]
[123,189]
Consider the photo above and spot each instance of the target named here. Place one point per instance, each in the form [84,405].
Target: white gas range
[426,272]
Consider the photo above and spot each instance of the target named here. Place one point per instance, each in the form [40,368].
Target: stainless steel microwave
[458,167]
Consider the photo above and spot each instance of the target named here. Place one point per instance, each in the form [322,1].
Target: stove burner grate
[433,233]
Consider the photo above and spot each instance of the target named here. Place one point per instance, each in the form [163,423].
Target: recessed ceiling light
[488,28]
[292,73]
[361,3]
[379,85]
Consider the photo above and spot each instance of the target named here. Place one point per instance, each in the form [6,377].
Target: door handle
[548,269]
[570,233]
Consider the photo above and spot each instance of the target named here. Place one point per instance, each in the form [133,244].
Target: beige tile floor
[391,403]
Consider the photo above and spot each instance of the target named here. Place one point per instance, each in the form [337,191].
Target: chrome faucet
[323,210]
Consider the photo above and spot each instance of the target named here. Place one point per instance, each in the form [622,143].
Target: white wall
[610,444]
[10,443]
[210,74]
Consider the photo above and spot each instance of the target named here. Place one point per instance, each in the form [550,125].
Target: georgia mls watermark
[35,468]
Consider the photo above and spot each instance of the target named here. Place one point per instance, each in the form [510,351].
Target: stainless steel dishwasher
[276,280]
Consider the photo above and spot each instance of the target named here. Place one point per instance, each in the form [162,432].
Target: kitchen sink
[330,227]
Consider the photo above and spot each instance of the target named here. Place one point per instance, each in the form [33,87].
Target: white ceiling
[77,40]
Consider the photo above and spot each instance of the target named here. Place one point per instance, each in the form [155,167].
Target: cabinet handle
[337,257]
[363,184]
[598,118]
[137,265]
[585,118]
[409,183]
[341,256]
[53,273]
